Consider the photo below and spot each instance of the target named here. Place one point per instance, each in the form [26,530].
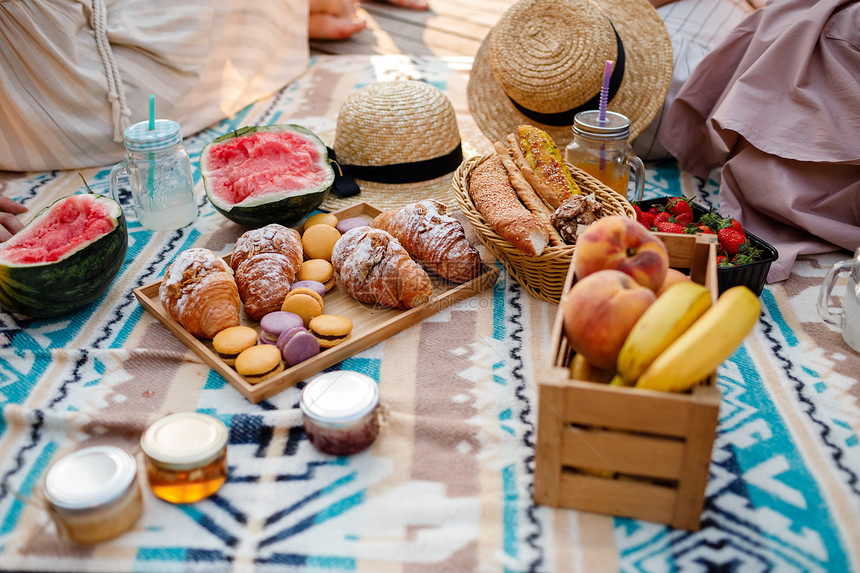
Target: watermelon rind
[48,290]
[283,208]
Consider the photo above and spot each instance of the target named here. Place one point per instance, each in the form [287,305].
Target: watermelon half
[64,258]
[255,176]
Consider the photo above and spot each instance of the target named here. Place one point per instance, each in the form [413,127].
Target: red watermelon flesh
[75,222]
[263,163]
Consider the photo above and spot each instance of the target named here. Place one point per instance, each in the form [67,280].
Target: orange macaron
[305,302]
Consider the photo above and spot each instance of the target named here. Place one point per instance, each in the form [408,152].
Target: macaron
[315,286]
[320,219]
[259,363]
[274,323]
[330,329]
[350,223]
[287,334]
[318,241]
[304,302]
[231,341]
[300,346]
[319,270]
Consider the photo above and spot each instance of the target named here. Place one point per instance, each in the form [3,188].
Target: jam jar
[186,456]
[93,494]
[341,412]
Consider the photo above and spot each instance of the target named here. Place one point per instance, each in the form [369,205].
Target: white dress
[75,73]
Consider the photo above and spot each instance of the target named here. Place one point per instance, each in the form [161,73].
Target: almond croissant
[434,239]
[375,268]
[198,291]
[266,261]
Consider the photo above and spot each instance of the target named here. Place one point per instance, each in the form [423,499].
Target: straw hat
[548,57]
[400,141]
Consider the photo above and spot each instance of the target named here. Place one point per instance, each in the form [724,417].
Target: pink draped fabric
[777,105]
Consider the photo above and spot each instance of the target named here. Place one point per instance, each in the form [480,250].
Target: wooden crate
[621,451]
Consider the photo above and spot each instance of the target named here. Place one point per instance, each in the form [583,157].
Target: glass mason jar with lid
[601,149]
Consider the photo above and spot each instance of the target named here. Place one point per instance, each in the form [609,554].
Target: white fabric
[696,27]
[66,94]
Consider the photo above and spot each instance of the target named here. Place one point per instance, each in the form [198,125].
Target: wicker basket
[542,276]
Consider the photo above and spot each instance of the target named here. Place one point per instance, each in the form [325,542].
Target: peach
[599,312]
[673,276]
[616,242]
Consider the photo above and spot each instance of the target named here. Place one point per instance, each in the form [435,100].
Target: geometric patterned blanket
[448,484]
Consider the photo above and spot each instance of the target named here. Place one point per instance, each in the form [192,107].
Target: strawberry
[662,217]
[669,227]
[654,209]
[679,206]
[722,261]
[684,218]
[646,219]
[731,240]
[746,254]
[700,228]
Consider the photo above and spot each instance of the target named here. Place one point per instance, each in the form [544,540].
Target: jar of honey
[600,148]
[92,494]
[186,456]
[341,412]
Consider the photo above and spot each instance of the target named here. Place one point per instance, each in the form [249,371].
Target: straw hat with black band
[400,142]
[544,61]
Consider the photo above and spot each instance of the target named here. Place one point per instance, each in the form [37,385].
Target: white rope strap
[116,92]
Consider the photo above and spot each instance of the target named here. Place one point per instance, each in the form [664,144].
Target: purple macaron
[288,333]
[274,323]
[300,346]
[346,224]
[315,286]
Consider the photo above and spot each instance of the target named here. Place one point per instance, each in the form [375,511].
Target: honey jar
[93,494]
[341,412]
[186,456]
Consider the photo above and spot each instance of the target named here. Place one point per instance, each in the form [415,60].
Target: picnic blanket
[447,486]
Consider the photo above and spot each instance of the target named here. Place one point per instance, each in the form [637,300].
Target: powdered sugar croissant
[198,291]
[375,268]
[436,240]
[266,261]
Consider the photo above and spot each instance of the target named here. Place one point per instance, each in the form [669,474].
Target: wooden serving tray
[371,323]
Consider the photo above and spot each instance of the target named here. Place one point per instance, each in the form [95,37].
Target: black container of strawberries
[742,257]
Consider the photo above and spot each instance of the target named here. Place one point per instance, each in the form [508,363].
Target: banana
[664,321]
[704,346]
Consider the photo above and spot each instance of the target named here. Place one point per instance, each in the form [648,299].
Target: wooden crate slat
[639,455]
[624,498]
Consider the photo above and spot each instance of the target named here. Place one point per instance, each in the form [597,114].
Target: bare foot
[334,19]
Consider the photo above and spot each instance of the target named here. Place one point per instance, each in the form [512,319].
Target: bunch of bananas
[681,337]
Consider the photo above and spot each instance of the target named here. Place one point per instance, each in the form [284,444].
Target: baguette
[540,160]
[528,195]
[495,198]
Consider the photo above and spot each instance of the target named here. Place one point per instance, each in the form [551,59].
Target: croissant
[198,291]
[273,238]
[263,283]
[375,268]
[266,261]
[435,240]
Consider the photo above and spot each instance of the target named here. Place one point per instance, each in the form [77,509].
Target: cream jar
[341,412]
[186,456]
[93,494]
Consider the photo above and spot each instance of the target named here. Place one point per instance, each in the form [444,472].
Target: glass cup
[601,149]
[848,318]
[159,175]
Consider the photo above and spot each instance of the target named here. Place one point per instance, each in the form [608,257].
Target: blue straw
[151,179]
